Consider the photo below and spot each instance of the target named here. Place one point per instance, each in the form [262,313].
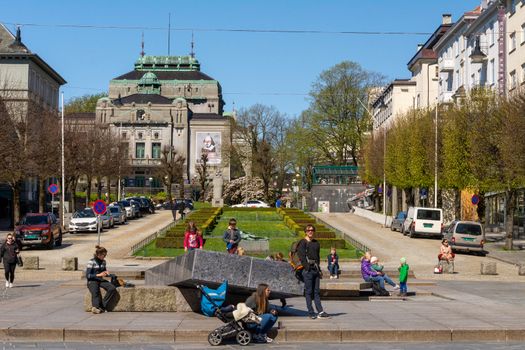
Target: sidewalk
[53,312]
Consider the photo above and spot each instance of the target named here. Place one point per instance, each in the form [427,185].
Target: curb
[283,335]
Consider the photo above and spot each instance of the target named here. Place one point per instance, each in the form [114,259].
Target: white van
[423,222]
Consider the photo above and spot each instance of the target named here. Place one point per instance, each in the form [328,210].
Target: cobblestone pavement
[296,346]
[421,253]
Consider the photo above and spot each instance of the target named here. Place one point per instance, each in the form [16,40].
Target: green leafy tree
[337,116]
[82,104]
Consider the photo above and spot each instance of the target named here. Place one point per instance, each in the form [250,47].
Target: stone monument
[217,189]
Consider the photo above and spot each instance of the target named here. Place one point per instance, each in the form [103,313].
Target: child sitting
[333,263]
[379,268]
[403,277]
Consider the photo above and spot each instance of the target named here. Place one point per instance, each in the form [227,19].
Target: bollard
[488,268]
[70,264]
[31,263]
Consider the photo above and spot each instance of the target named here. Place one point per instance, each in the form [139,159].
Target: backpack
[295,262]
[378,291]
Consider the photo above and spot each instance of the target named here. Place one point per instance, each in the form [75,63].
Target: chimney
[446,18]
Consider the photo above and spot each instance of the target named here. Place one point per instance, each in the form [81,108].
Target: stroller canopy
[213,298]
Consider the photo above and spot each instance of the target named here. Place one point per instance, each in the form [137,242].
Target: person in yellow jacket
[403,277]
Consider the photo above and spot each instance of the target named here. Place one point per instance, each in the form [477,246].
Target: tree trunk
[168,190]
[88,191]
[41,195]
[510,202]
[16,202]
[181,188]
[99,187]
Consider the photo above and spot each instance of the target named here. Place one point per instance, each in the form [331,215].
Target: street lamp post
[150,186]
[436,156]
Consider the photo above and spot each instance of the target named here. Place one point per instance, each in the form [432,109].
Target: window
[522,40]
[512,6]
[140,150]
[124,135]
[512,43]
[490,35]
[513,81]
[472,79]
[450,82]
[155,150]
[428,214]
[156,135]
[140,135]
[456,50]
[523,73]
[492,72]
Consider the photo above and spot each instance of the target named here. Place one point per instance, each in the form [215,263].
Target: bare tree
[203,169]
[171,168]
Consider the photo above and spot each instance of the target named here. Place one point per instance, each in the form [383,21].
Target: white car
[84,220]
[254,203]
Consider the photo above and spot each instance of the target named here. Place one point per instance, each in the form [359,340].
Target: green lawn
[264,224]
[260,223]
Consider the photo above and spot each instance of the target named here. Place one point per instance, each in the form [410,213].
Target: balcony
[446,65]
[446,96]
[144,162]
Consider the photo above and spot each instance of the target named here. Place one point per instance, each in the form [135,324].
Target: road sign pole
[52,199]
[99,224]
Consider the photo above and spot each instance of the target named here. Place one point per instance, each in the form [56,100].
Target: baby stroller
[235,320]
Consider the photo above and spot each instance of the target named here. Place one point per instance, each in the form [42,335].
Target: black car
[188,203]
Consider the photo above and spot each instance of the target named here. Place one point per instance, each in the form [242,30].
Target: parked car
[128,208]
[398,221]
[423,222]
[254,203]
[107,220]
[39,229]
[85,220]
[136,208]
[467,236]
[151,206]
[119,215]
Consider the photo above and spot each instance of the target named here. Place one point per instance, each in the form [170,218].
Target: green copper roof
[149,79]
[167,63]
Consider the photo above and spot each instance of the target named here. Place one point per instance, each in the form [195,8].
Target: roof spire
[18,38]
[192,52]
[142,45]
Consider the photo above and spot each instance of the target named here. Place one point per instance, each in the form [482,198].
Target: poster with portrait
[210,144]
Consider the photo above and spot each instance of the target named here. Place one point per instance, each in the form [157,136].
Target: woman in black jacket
[9,255]
[95,273]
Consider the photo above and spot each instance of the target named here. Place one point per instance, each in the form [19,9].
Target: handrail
[138,246]
[358,245]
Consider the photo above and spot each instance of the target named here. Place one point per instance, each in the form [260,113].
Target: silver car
[119,215]
[467,236]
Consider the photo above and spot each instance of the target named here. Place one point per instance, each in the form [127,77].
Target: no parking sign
[99,207]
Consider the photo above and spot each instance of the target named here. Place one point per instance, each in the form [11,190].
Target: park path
[421,253]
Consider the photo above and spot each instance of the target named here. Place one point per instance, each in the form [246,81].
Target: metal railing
[138,246]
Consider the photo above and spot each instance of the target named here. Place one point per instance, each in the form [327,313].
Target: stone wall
[337,195]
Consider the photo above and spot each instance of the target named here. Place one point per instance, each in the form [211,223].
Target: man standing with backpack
[308,250]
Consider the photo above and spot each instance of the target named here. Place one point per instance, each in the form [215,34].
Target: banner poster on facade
[209,143]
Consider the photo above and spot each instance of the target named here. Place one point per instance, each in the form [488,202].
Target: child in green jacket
[403,276]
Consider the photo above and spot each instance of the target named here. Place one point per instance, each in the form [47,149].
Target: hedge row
[204,218]
[247,209]
[297,220]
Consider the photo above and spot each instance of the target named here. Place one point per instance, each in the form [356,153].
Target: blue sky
[271,68]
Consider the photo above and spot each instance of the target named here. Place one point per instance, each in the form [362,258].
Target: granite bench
[145,299]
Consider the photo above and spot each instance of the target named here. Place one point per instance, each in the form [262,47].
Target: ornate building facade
[166,101]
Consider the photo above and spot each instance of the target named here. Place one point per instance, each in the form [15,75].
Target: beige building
[396,99]
[166,101]
[515,45]
[24,78]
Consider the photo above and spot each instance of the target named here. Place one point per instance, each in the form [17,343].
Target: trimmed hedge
[170,242]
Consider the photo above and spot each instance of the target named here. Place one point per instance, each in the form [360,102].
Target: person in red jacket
[192,237]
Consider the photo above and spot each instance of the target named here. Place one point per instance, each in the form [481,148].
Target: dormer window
[140,114]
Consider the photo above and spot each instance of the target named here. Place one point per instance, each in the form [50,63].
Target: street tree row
[480,148]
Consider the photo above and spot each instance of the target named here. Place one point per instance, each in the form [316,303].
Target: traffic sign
[53,189]
[99,207]
[475,199]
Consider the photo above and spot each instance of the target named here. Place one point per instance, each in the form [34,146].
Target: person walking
[182,209]
[9,255]
[259,303]
[308,250]
[232,237]
[173,207]
[95,273]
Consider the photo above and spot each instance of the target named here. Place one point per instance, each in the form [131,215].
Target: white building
[396,99]
[516,45]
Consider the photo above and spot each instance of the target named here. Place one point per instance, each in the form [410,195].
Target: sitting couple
[372,271]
